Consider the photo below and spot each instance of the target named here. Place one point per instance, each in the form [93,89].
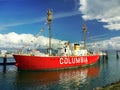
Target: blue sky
[28,17]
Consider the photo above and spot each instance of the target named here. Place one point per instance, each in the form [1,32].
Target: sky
[22,20]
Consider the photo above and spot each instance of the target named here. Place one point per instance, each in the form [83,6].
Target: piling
[5,60]
[106,57]
[117,56]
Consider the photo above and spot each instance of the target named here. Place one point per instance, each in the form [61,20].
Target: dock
[5,57]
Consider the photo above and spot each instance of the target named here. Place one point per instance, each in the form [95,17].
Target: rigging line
[38,34]
[41,30]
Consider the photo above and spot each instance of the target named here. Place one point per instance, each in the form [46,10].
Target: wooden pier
[5,57]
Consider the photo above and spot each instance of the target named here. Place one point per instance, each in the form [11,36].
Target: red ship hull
[24,62]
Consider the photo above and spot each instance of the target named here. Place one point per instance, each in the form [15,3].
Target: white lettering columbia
[72,60]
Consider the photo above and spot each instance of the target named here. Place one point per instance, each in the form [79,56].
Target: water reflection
[101,74]
[63,79]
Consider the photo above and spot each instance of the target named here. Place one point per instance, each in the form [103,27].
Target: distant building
[3,51]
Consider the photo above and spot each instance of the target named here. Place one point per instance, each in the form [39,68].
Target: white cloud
[102,10]
[112,43]
[14,40]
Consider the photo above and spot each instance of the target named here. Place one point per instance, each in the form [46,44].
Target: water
[100,74]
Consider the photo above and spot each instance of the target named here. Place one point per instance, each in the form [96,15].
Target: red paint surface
[25,62]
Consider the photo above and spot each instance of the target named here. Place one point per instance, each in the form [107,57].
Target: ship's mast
[84,31]
[49,20]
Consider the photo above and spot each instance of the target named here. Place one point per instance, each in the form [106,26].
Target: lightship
[65,57]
